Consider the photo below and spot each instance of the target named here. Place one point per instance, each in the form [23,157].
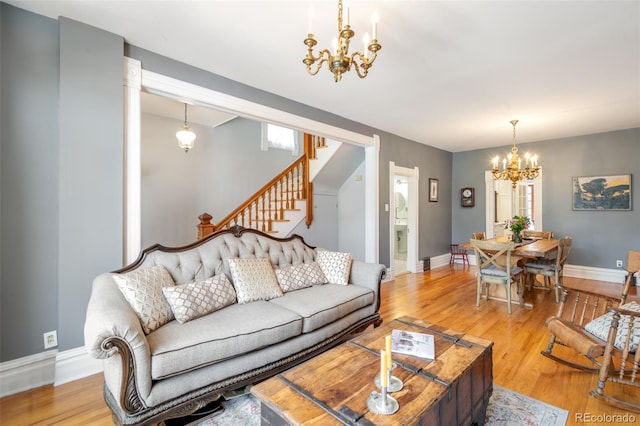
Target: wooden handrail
[284,202]
[270,202]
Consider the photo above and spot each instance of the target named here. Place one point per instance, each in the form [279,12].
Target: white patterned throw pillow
[143,290]
[336,266]
[300,276]
[599,327]
[196,299]
[254,279]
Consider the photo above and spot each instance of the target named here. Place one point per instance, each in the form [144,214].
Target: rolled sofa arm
[112,332]
[368,275]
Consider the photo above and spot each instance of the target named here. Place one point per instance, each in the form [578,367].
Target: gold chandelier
[512,164]
[338,59]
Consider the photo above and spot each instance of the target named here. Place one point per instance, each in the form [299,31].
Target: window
[278,137]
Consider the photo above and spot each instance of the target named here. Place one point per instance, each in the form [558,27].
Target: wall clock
[467,197]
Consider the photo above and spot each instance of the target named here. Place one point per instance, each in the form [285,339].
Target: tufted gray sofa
[179,368]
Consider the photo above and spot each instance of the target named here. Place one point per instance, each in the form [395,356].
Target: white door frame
[136,79]
[413,232]
[491,202]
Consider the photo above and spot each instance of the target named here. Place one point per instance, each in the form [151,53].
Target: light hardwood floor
[444,295]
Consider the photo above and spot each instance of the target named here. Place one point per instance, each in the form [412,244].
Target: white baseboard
[598,274]
[438,261]
[27,373]
[57,368]
[46,368]
[75,364]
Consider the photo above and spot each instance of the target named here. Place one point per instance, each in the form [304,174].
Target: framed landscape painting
[602,193]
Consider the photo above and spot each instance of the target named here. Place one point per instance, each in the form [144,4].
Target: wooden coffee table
[333,387]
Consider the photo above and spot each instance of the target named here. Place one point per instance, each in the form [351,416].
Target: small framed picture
[433,190]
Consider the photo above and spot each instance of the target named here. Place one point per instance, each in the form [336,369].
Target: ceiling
[451,74]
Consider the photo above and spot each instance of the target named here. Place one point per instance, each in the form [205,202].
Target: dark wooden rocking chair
[622,345]
[603,329]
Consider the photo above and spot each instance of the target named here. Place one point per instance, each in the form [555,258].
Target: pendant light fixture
[512,169]
[185,136]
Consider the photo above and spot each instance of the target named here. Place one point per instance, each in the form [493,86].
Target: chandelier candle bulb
[374,20]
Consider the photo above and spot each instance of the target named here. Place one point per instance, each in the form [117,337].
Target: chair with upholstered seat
[622,327]
[478,236]
[458,252]
[605,330]
[550,268]
[496,265]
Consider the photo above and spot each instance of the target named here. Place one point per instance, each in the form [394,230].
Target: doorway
[137,80]
[503,202]
[403,219]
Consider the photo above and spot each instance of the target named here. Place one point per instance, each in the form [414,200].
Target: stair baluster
[270,203]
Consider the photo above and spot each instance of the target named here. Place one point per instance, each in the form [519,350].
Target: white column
[132,160]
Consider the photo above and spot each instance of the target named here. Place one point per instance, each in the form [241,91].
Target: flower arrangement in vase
[517,225]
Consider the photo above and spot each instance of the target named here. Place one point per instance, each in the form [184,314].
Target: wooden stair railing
[268,205]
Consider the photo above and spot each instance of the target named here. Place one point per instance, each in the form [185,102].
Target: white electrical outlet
[50,339]
[618,263]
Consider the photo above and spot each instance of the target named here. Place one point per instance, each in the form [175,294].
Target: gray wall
[599,237]
[434,218]
[61,174]
[178,187]
[29,181]
[91,170]
[62,200]
[351,200]
[239,168]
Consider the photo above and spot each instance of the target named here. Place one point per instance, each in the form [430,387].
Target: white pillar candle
[383,369]
[387,341]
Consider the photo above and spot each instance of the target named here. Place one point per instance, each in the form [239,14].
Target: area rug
[506,408]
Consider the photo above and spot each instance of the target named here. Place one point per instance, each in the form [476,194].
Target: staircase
[283,202]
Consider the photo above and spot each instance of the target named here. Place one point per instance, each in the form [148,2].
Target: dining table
[531,248]
[534,248]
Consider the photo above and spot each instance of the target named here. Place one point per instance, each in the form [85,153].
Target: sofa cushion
[300,276]
[254,279]
[600,326]
[336,266]
[232,331]
[143,290]
[324,304]
[193,300]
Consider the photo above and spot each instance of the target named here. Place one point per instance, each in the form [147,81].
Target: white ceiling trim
[186,92]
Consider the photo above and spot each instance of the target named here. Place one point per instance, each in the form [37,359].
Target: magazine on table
[412,343]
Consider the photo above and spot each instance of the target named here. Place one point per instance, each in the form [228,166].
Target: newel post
[307,185]
[205,227]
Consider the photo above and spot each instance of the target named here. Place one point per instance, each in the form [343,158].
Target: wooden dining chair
[479,236]
[545,235]
[496,265]
[458,252]
[550,268]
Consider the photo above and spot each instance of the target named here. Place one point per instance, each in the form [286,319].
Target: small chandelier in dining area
[512,164]
[185,136]
[338,58]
